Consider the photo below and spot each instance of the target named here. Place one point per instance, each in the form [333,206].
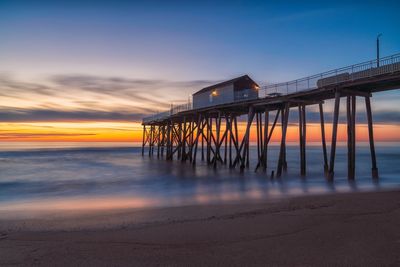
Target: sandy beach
[352,229]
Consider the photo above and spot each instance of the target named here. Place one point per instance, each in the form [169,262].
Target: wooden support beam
[200,126]
[351,131]
[265,147]
[229,125]
[269,135]
[245,141]
[168,152]
[143,139]
[202,145]
[273,125]
[260,142]
[285,119]
[171,138]
[191,139]
[147,141]
[220,139]
[258,136]
[248,153]
[192,129]
[225,138]
[158,140]
[154,138]
[353,137]
[371,138]
[304,161]
[321,115]
[236,142]
[183,132]
[211,149]
[151,140]
[302,139]
[209,129]
[162,140]
[261,134]
[349,139]
[239,157]
[235,139]
[334,136]
[217,143]
[214,141]
[189,131]
[176,137]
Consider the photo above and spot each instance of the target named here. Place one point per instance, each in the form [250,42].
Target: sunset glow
[132,132]
[72,131]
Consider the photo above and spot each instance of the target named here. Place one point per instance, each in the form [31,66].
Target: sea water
[71,176]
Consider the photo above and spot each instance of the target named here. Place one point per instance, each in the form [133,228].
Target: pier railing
[173,110]
[363,70]
[183,107]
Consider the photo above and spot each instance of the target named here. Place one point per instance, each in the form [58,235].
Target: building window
[212,95]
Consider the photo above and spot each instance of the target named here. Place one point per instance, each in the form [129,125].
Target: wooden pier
[211,133]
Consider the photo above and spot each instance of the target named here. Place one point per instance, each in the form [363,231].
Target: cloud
[152,92]
[37,115]
[11,87]
[89,98]
[118,84]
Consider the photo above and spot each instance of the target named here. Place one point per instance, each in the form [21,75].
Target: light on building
[214,93]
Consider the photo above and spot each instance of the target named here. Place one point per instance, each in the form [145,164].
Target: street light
[377,49]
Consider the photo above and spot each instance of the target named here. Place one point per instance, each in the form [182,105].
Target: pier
[210,133]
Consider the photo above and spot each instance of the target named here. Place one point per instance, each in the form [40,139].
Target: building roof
[222,84]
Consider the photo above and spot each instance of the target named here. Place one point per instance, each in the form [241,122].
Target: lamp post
[377,49]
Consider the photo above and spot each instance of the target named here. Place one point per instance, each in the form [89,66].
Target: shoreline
[55,219]
[78,207]
[359,228]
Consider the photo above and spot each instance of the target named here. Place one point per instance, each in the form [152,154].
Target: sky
[90,70]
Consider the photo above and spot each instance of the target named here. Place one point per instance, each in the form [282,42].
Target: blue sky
[180,41]
[78,56]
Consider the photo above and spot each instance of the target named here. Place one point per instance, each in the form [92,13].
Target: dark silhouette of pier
[212,130]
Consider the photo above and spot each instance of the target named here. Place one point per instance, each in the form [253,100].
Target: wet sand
[352,229]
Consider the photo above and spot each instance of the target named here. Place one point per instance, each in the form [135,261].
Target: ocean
[80,176]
